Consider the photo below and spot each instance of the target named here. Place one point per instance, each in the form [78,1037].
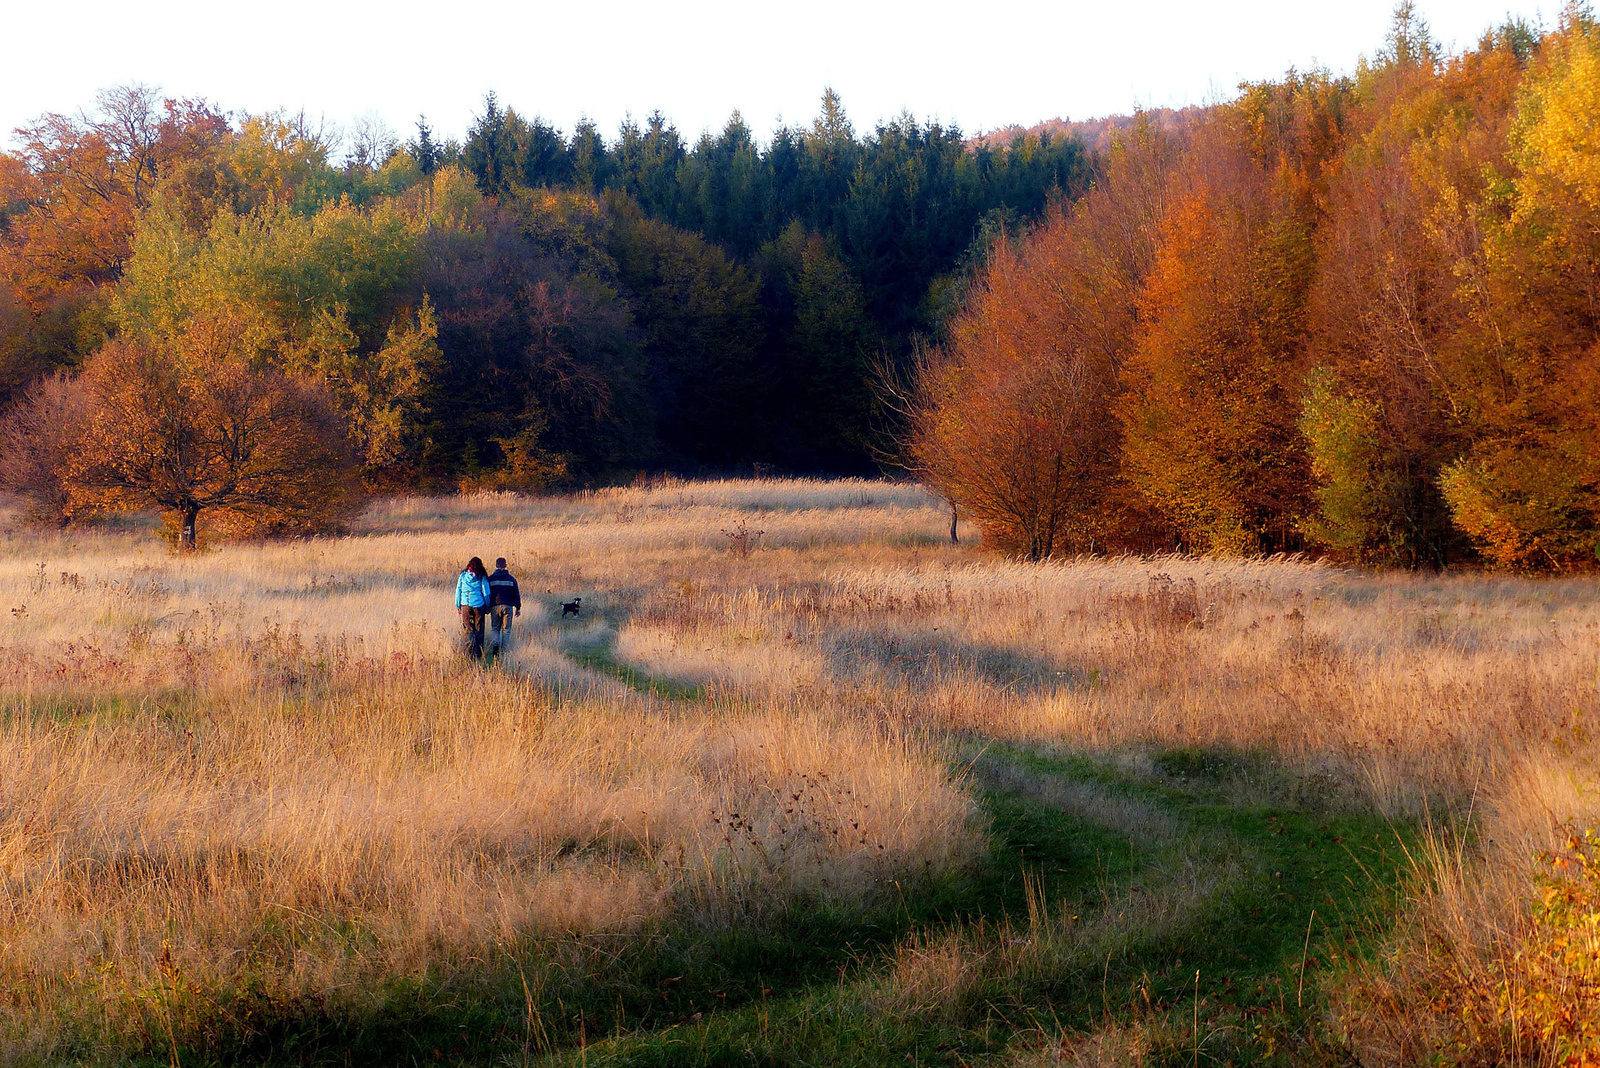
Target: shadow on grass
[928,656]
[1236,979]
[1292,892]
[602,661]
[593,646]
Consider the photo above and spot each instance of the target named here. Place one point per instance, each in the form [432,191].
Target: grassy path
[1196,933]
[1174,908]
[1163,908]
[1187,903]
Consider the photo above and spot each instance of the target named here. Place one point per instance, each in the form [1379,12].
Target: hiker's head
[500,563]
[476,567]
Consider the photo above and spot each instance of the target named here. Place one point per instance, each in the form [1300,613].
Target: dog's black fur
[570,608]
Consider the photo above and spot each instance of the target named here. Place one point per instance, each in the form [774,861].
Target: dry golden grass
[265,759]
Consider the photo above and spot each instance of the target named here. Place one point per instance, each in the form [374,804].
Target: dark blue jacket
[503,589]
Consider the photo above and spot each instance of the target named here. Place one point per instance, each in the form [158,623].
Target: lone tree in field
[206,429]
[1015,446]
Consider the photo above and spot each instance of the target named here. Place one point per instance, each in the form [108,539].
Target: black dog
[570,608]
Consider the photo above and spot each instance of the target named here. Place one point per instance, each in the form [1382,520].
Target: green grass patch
[602,661]
[1292,894]
[1200,896]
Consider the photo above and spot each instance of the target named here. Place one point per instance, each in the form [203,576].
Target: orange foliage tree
[1012,420]
[82,182]
[1365,321]
[70,198]
[1527,490]
[1387,412]
[1209,416]
[204,428]
[1021,446]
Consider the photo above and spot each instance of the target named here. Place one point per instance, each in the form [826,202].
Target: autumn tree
[69,198]
[336,296]
[1013,419]
[201,427]
[73,195]
[1367,324]
[1209,417]
[38,437]
[281,158]
[1385,413]
[1528,488]
[1018,445]
[83,180]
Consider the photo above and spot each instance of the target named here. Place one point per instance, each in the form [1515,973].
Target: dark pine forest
[764,282]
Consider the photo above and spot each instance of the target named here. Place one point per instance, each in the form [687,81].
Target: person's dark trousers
[500,628]
[472,632]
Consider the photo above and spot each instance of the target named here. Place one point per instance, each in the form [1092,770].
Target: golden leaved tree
[1528,490]
[1210,433]
[1383,414]
[334,297]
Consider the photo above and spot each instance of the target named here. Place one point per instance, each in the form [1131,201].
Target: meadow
[804,784]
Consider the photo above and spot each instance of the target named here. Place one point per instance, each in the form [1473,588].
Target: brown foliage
[204,429]
[1133,367]
[37,438]
[1020,447]
[70,198]
[83,181]
[1210,413]
[1364,320]
[1012,421]
[1215,374]
[1388,306]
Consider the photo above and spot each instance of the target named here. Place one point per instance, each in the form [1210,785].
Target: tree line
[520,309]
[1358,315]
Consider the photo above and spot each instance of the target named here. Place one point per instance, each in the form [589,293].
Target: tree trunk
[186,532]
[953,539]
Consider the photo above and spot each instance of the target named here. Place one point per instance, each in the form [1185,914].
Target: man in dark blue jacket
[505,600]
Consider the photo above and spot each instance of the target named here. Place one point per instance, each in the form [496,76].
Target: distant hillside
[1096,134]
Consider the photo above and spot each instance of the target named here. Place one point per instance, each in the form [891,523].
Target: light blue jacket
[471,591]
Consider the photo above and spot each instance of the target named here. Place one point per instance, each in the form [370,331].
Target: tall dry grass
[1466,703]
[276,738]
[1401,689]
[260,774]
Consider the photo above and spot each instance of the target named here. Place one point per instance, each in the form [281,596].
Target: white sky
[982,63]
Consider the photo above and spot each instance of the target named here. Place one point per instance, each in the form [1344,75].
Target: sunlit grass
[252,801]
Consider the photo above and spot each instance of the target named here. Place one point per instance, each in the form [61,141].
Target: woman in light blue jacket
[472,601]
